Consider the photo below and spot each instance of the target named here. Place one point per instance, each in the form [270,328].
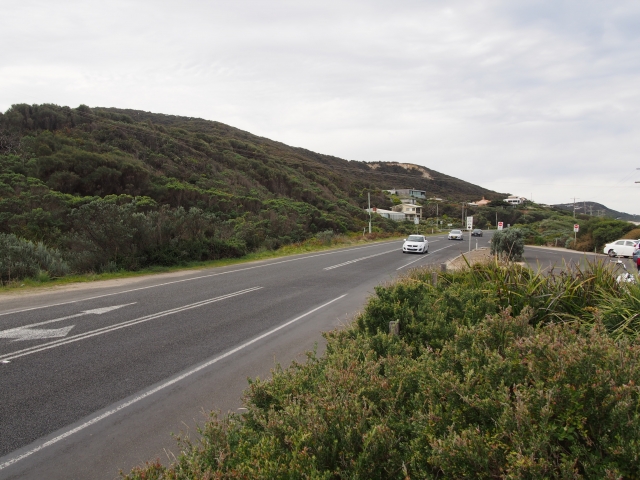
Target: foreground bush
[460,393]
[501,400]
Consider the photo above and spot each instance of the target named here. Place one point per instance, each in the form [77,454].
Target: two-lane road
[94,380]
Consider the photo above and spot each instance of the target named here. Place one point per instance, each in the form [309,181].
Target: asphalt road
[97,379]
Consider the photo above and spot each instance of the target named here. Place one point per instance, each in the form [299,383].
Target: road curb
[449,262]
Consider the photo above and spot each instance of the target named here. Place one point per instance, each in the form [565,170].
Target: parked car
[476,232]
[415,244]
[455,235]
[620,248]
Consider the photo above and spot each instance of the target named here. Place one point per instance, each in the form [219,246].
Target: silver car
[455,235]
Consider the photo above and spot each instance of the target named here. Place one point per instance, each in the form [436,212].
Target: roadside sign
[469,223]
[500,225]
[416,220]
[576,228]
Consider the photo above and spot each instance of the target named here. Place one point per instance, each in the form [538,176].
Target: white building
[391,215]
[515,200]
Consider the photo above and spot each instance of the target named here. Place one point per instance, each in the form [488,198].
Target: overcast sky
[536,98]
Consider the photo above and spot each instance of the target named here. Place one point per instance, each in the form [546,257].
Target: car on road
[476,232]
[620,248]
[415,244]
[455,235]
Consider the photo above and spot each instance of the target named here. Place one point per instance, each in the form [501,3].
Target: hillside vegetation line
[497,372]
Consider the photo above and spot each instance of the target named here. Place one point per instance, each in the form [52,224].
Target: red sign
[500,225]
[576,228]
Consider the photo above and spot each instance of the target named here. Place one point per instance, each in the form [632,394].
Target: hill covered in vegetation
[597,209]
[105,188]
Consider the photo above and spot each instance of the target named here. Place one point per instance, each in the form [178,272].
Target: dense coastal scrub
[497,372]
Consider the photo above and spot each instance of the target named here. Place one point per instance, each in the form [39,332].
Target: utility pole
[369,197]
[574,207]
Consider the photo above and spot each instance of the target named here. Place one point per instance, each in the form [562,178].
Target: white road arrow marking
[100,331]
[23,333]
[95,311]
[27,332]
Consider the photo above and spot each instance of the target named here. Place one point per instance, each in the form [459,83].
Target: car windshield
[456,232]
[477,230]
[415,238]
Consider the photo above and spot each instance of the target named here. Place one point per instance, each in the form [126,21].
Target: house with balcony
[410,210]
[515,200]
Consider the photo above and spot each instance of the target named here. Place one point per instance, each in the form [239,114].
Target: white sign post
[500,225]
[576,229]
[469,228]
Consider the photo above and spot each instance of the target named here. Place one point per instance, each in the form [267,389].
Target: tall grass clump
[582,295]
[498,372]
[20,259]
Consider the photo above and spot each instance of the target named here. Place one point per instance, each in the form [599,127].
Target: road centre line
[412,261]
[358,259]
[422,258]
[7,357]
[164,385]
[194,278]
[448,246]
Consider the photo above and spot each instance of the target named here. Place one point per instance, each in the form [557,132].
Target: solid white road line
[117,326]
[359,259]
[196,278]
[150,392]
[406,265]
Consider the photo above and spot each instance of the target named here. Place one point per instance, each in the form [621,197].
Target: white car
[415,244]
[455,235]
[621,248]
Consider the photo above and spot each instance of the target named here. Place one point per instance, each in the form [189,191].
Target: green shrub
[325,237]
[504,399]
[20,258]
[508,244]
